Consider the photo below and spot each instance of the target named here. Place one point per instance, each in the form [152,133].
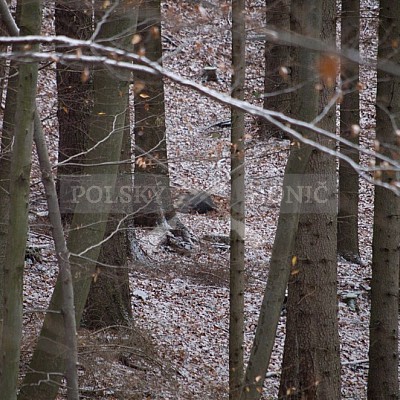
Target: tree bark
[349,120]
[282,252]
[383,381]
[3,32]
[62,254]
[18,212]
[89,224]
[277,67]
[311,363]
[109,299]
[75,97]
[151,178]
[4,6]
[278,277]
[7,135]
[5,170]
[237,205]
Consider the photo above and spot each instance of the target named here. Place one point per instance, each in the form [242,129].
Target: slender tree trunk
[383,379]
[311,364]
[62,254]
[151,177]
[349,120]
[7,135]
[54,214]
[19,192]
[277,74]
[282,252]
[5,170]
[237,207]
[278,277]
[3,66]
[89,224]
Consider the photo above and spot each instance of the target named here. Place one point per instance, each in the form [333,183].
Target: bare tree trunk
[151,177]
[75,97]
[62,254]
[277,67]
[349,120]
[311,363]
[304,107]
[7,135]
[89,224]
[383,380]
[278,277]
[237,207]
[18,214]
[54,214]
[3,32]
[109,300]
[5,170]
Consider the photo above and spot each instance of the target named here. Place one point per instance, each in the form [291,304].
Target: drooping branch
[8,19]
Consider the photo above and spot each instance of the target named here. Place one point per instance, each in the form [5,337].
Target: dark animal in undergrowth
[196,201]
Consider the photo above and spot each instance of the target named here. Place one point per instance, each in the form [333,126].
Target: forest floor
[178,345]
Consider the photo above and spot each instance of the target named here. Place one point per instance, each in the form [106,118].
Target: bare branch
[8,19]
[121,59]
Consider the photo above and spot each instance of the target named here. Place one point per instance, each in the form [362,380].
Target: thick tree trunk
[311,364]
[109,300]
[18,213]
[277,73]
[151,177]
[349,120]
[383,380]
[89,223]
[237,207]
[75,97]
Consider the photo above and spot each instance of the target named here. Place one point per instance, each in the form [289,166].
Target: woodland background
[158,320]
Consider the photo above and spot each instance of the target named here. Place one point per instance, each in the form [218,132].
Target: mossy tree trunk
[5,170]
[30,21]
[7,135]
[62,254]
